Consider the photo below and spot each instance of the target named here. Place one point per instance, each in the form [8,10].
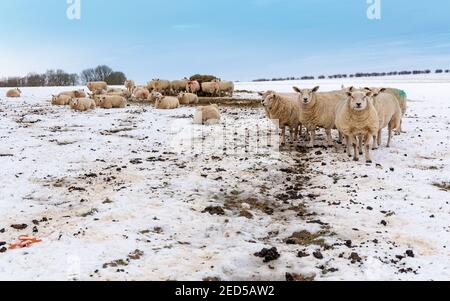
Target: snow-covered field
[122,195]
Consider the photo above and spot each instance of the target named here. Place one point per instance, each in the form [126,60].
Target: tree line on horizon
[59,78]
[355,75]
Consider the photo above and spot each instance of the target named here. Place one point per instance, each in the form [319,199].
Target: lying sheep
[187,98]
[94,86]
[141,94]
[61,100]
[162,86]
[193,86]
[226,88]
[211,88]
[207,115]
[389,114]
[165,102]
[178,86]
[82,104]
[357,118]
[112,101]
[284,111]
[318,110]
[130,85]
[74,94]
[13,93]
[123,93]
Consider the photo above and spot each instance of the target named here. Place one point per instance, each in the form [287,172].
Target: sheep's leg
[296,133]
[367,141]
[312,142]
[283,135]
[355,149]
[292,133]
[340,137]
[349,145]
[361,145]
[389,135]
[329,138]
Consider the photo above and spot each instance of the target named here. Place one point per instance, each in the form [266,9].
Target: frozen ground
[122,195]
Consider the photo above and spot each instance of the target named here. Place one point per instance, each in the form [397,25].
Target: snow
[112,182]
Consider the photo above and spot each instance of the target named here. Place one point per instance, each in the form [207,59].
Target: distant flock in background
[359,114]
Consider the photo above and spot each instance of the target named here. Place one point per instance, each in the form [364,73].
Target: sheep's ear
[315,89]
[382,90]
[296,89]
[350,89]
[369,93]
[368,89]
[349,94]
[260,93]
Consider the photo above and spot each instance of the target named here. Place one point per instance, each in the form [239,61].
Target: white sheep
[75,94]
[389,113]
[187,98]
[82,104]
[158,85]
[13,93]
[207,115]
[211,88]
[284,111]
[95,86]
[141,93]
[178,86]
[165,102]
[193,86]
[318,110]
[357,118]
[226,88]
[111,101]
[61,100]
[130,85]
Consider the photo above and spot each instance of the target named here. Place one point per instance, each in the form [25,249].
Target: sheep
[193,86]
[165,102]
[112,101]
[94,86]
[61,100]
[318,110]
[284,111]
[212,88]
[162,86]
[123,93]
[389,113]
[227,88]
[357,118]
[74,94]
[178,86]
[82,104]
[130,85]
[207,115]
[187,98]
[401,98]
[13,93]
[141,93]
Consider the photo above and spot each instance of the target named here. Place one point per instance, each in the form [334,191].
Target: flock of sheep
[359,115]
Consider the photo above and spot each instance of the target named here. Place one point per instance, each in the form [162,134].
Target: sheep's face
[306,96]
[73,102]
[359,101]
[375,91]
[269,100]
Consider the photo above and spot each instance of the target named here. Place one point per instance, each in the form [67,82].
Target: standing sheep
[82,104]
[165,102]
[226,88]
[318,110]
[401,97]
[207,115]
[357,118]
[284,111]
[193,86]
[95,86]
[178,86]
[112,101]
[158,85]
[130,85]
[13,93]
[211,88]
[187,98]
[389,114]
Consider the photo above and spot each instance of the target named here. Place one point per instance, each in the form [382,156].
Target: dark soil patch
[268,254]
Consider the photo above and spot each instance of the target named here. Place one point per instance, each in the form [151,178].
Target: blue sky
[234,39]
